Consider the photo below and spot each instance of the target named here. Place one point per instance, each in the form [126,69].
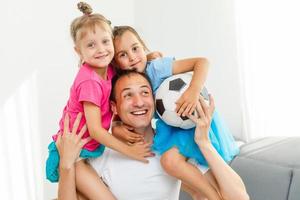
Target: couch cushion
[263,181]
[295,186]
[269,168]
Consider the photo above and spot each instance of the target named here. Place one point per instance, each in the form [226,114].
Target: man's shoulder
[131,179]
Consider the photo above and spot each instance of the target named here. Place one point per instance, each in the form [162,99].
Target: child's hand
[125,133]
[203,120]
[140,151]
[154,55]
[186,104]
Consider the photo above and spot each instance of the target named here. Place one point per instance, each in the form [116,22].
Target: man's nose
[138,101]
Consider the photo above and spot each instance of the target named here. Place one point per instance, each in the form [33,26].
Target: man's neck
[147,132]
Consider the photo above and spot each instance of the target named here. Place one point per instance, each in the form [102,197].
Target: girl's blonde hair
[118,31]
[87,22]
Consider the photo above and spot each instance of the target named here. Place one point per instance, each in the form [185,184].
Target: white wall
[36,48]
[198,28]
[38,65]
[64,66]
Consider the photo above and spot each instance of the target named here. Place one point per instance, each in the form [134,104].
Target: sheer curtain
[21,168]
[268,35]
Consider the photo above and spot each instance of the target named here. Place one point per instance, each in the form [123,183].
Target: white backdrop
[38,65]
[269,46]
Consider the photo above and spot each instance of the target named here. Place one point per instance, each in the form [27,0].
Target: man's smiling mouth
[139,112]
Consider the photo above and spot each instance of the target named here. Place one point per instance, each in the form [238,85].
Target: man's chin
[139,125]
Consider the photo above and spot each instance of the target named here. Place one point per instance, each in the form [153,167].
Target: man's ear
[113,107]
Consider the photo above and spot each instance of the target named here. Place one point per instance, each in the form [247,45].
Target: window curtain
[268,35]
[21,168]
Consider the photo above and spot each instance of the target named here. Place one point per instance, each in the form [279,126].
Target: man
[132,101]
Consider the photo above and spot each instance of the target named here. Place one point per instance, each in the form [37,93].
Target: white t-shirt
[133,180]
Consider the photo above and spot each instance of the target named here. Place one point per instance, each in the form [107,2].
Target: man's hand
[69,144]
[203,120]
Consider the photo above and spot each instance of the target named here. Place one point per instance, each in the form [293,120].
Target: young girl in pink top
[89,94]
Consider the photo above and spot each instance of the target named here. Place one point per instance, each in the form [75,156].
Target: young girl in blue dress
[175,145]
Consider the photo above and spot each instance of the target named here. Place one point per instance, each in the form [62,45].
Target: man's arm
[66,184]
[69,145]
[230,183]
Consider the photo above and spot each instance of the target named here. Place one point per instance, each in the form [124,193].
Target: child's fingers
[188,110]
[130,143]
[192,110]
[178,103]
[76,123]
[182,108]
[149,154]
[134,135]
[128,127]
[148,145]
[66,123]
[134,140]
[193,117]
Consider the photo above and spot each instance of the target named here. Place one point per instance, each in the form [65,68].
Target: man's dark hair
[120,74]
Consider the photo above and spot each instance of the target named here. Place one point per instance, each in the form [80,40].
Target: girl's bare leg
[198,195]
[176,165]
[81,196]
[192,192]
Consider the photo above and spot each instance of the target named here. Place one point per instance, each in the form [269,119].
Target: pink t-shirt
[88,86]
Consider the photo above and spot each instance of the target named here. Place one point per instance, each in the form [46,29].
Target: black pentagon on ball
[176,84]
[160,106]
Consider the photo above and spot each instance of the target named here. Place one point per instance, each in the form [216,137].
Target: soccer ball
[168,93]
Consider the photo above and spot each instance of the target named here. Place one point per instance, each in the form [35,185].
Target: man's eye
[145,93]
[122,55]
[127,95]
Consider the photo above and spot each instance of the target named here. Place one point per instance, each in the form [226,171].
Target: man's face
[134,101]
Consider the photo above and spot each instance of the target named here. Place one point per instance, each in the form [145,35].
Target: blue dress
[167,136]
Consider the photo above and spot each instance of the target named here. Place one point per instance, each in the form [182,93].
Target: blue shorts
[52,162]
